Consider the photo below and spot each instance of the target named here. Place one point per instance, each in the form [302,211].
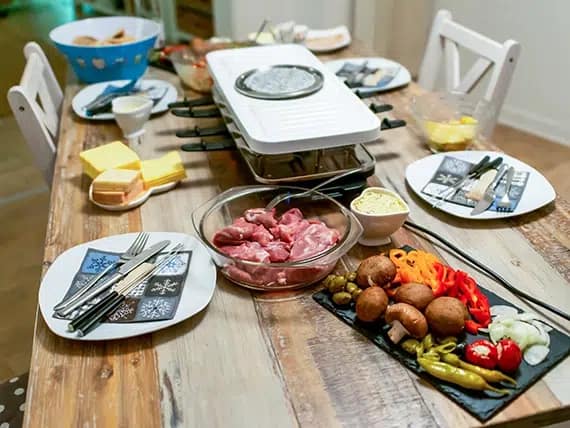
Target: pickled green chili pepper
[448,339]
[488,375]
[445,348]
[431,355]
[410,346]
[420,350]
[458,376]
[427,342]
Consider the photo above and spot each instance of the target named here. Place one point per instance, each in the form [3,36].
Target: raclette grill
[300,139]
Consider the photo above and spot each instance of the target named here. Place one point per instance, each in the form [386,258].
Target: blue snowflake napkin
[155,299]
[452,170]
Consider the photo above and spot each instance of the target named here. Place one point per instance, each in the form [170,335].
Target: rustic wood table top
[272,359]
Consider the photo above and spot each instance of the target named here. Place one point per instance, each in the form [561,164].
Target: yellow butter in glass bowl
[450,121]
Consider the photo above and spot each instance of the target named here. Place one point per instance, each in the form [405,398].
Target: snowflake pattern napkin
[452,170]
[155,299]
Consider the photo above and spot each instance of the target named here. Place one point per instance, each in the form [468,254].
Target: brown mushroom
[375,270]
[405,320]
[415,294]
[446,316]
[371,304]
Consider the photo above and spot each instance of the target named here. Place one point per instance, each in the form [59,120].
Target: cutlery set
[492,192]
[120,278]
[102,103]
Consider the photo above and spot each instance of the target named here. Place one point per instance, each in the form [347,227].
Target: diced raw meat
[261,216]
[289,232]
[292,216]
[238,274]
[314,240]
[262,235]
[237,233]
[251,251]
[278,251]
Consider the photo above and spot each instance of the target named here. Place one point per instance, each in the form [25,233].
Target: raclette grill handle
[207,146]
[391,124]
[191,112]
[202,101]
[201,132]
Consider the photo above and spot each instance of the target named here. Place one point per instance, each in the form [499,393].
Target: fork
[504,204]
[134,250]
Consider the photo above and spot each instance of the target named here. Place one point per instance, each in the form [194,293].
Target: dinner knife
[476,171]
[117,276]
[489,195]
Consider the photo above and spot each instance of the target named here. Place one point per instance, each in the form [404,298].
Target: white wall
[238,18]
[538,100]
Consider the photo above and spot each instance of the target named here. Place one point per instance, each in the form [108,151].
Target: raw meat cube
[261,216]
[314,240]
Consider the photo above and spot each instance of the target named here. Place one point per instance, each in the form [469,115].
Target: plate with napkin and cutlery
[126,285]
[479,185]
[369,75]
[94,101]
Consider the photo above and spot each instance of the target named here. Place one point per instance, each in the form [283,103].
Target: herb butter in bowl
[381,212]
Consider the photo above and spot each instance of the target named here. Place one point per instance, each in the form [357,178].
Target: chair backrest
[36,104]
[442,47]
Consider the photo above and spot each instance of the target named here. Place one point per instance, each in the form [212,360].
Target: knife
[476,171]
[120,274]
[489,195]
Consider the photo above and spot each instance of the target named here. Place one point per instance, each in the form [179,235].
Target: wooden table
[274,360]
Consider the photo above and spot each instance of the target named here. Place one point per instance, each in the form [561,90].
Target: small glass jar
[192,70]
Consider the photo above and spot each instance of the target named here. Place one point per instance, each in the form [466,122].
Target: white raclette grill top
[334,116]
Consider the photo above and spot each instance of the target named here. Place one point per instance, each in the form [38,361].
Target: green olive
[337,284]
[351,276]
[350,287]
[356,293]
[428,342]
[328,280]
[341,298]
[410,346]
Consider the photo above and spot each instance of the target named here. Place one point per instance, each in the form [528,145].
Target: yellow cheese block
[116,180]
[166,169]
[108,156]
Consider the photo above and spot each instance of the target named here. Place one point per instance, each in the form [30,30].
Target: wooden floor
[24,197]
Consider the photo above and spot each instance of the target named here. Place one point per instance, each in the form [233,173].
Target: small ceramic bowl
[379,227]
[131,113]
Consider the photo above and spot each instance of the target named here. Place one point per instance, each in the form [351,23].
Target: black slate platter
[482,405]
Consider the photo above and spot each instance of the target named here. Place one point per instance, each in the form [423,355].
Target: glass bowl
[450,121]
[192,70]
[223,209]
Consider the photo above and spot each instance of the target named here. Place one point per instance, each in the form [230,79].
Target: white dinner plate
[340,34]
[538,191]
[401,79]
[89,93]
[198,288]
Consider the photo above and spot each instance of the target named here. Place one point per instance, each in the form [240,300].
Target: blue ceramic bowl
[93,64]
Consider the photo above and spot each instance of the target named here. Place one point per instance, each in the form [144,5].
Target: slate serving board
[482,405]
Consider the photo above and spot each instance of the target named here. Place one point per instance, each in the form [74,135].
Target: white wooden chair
[442,47]
[38,121]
